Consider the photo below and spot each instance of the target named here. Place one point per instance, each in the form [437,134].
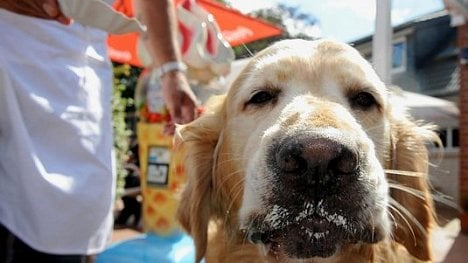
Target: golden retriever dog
[306,159]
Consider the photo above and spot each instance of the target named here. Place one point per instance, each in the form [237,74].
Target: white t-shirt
[57,175]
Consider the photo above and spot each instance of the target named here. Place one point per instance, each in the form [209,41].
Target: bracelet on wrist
[167,67]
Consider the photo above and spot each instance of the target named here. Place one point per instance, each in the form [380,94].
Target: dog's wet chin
[311,238]
[308,239]
[295,242]
[302,243]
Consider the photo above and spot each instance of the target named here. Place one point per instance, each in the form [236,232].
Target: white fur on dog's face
[304,93]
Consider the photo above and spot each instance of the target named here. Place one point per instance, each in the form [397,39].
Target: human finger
[64,20]
[169,128]
[174,107]
[52,8]
[188,111]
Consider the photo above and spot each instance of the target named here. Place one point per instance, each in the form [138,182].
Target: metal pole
[382,40]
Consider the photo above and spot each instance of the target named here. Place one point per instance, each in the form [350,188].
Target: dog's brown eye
[363,100]
[262,97]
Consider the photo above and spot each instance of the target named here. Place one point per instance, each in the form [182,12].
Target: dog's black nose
[316,160]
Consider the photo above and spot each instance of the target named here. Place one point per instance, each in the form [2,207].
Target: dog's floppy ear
[411,200]
[199,139]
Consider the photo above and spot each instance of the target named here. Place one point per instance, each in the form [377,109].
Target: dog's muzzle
[317,197]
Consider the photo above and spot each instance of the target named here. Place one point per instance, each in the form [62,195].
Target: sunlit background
[345,20]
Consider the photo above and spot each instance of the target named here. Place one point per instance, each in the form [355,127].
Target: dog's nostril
[292,163]
[345,163]
[289,159]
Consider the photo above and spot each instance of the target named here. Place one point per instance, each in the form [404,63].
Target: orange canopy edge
[236,28]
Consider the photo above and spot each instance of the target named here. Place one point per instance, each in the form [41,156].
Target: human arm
[45,9]
[162,45]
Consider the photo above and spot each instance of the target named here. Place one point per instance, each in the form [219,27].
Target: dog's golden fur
[314,79]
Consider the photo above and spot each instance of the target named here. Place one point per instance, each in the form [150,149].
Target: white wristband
[168,67]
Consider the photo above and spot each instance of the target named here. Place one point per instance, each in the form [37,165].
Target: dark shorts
[13,250]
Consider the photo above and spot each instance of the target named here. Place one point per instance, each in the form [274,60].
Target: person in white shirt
[57,176]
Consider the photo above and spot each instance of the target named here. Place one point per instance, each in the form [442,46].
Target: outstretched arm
[161,43]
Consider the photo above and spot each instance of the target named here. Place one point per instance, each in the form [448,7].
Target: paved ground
[450,245]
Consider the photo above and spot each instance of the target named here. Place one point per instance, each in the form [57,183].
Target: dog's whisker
[402,217]
[384,207]
[223,180]
[233,159]
[393,219]
[230,160]
[373,225]
[436,196]
[251,54]
[236,191]
[417,193]
[446,200]
[405,173]
[387,209]
[408,214]
[414,192]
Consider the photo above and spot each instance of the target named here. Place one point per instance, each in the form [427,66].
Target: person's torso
[56,164]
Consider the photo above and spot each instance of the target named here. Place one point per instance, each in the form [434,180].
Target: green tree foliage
[125,78]
[277,15]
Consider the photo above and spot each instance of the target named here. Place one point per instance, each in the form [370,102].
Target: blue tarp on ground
[178,248]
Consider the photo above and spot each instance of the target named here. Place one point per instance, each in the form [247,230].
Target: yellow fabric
[159,199]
